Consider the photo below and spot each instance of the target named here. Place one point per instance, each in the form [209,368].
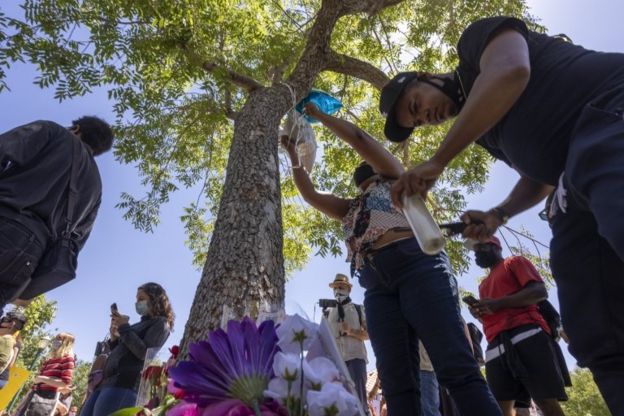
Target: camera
[327,303]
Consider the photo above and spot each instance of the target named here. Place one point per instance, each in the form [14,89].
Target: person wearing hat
[544,106]
[348,325]
[409,295]
[520,355]
[10,325]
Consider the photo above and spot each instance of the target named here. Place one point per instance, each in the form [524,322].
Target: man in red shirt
[520,355]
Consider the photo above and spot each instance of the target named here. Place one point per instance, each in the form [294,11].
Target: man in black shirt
[36,162]
[544,106]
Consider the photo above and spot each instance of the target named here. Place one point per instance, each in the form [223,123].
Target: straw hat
[340,279]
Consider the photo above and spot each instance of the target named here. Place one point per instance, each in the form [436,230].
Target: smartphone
[114,309]
[470,300]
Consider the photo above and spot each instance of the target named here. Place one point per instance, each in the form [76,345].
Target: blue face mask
[142,308]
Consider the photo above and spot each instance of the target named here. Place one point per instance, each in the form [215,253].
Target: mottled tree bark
[244,269]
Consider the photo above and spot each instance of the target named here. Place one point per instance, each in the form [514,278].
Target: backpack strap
[72,191]
[358,308]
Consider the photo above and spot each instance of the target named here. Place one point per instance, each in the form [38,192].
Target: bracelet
[501,214]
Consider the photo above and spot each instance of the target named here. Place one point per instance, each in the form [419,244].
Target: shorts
[532,367]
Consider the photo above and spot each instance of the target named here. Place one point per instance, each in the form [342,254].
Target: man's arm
[531,294]
[505,70]
[526,194]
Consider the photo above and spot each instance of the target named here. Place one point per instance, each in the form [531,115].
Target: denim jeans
[587,249]
[357,371]
[429,393]
[409,292]
[107,400]
[20,252]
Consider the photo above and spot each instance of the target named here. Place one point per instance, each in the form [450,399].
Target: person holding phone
[520,354]
[128,345]
[409,295]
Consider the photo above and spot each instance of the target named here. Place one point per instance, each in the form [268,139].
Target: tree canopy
[178,72]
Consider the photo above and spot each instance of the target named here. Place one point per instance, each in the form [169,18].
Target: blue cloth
[587,249]
[107,400]
[325,102]
[410,294]
[429,393]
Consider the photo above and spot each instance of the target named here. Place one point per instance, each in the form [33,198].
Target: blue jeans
[409,293]
[429,393]
[587,249]
[357,371]
[107,400]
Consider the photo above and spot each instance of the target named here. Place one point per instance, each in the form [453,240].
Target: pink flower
[184,409]
[234,407]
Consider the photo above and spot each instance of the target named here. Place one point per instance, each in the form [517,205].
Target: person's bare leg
[550,407]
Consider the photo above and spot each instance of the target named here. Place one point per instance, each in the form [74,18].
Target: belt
[500,349]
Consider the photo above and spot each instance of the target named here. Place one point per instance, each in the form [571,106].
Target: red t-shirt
[507,278]
[61,368]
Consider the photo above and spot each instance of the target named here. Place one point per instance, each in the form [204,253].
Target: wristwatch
[501,214]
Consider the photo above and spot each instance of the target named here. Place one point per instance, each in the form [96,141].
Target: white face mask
[341,294]
[56,344]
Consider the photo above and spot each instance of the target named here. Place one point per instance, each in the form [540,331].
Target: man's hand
[417,180]
[345,329]
[486,307]
[481,225]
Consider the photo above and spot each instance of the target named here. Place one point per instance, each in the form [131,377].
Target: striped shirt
[61,368]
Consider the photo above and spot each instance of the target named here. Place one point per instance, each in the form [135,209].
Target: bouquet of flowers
[260,371]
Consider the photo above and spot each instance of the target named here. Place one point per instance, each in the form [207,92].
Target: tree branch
[370,7]
[348,65]
[242,81]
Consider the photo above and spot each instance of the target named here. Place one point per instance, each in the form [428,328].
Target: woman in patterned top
[409,294]
[56,374]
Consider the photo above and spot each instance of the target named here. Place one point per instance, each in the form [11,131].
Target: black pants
[587,249]
[20,252]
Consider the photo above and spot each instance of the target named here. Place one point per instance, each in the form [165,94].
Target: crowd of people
[551,110]
[114,378]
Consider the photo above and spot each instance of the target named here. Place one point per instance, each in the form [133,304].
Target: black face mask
[486,259]
[362,173]
[450,87]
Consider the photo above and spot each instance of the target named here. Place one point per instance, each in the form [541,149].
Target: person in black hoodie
[128,346]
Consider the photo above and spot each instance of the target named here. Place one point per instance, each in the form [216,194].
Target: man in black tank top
[553,111]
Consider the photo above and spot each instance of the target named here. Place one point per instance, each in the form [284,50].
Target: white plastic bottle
[425,229]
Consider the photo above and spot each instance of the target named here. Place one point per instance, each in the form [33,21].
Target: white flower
[296,334]
[319,371]
[278,389]
[287,366]
[333,399]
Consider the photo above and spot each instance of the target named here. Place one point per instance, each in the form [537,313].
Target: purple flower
[236,364]
[236,408]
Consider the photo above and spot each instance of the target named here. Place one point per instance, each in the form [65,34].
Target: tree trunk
[244,269]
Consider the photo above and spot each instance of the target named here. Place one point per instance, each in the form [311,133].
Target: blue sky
[118,258]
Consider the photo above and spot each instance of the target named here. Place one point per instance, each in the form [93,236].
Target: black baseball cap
[389,96]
